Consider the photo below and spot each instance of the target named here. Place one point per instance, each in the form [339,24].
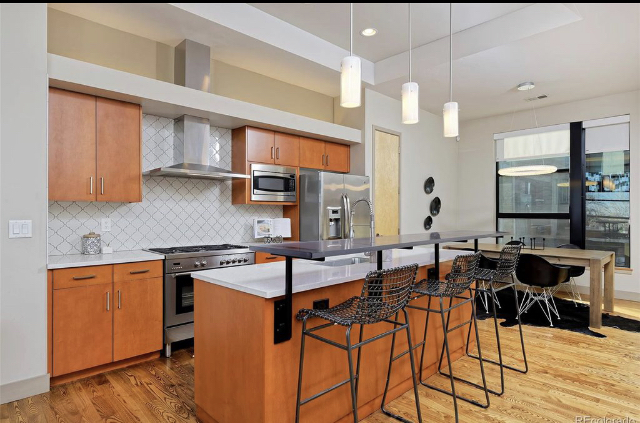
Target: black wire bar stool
[385,293]
[457,283]
[496,276]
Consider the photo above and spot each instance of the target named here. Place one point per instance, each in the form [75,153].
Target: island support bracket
[282,309]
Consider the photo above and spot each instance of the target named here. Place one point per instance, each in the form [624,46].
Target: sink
[345,261]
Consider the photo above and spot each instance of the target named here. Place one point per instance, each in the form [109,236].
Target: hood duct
[192,69]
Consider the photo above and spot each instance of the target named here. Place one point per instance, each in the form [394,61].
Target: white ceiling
[571,51]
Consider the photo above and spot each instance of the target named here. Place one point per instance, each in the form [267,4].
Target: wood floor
[570,375]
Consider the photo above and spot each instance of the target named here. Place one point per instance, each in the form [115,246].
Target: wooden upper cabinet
[82,328]
[137,318]
[72,146]
[260,145]
[119,165]
[287,149]
[337,157]
[312,153]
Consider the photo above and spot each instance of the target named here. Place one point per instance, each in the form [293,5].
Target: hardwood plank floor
[570,375]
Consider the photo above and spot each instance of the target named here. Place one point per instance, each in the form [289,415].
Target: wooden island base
[241,376]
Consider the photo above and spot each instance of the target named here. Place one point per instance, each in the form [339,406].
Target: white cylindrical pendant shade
[450,114]
[410,103]
[350,80]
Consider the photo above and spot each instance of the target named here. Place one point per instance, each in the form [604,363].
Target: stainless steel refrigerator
[325,200]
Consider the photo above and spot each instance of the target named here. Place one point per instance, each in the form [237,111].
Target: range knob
[245,260]
[223,262]
[196,264]
[203,263]
[234,261]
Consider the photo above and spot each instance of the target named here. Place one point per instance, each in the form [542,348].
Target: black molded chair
[385,293]
[536,272]
[574,272]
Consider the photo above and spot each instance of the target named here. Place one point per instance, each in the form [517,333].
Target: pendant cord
[351,29]
[450,52]
[410,80]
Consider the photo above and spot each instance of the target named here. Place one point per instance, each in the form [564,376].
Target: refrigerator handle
[347,213]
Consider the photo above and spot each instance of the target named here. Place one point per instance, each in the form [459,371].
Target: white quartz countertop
[267,280]
[81,260]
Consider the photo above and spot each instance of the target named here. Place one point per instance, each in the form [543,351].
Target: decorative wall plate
[429,184]
[435,206]
[427,223]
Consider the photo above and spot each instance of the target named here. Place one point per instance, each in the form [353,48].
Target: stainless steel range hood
[191,140]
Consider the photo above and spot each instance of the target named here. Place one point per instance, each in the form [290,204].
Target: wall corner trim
[20,389]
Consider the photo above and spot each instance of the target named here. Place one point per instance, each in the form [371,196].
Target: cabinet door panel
[287,149]
[137,319]
[82,328]
[337,159]
[72,146]
[311,153]
[260,145]
[119,151]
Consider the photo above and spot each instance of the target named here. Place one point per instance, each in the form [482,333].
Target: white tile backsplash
[173,211]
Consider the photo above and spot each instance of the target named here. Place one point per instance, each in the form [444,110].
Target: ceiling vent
[540,97]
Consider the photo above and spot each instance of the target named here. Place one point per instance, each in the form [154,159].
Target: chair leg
[484,378]
[446,345]
[358,360]
[354,403]
[424,340]
[445,328]
[524,354]
[574,291]
[554,308]
[413,366]
[386,385]
[304,329]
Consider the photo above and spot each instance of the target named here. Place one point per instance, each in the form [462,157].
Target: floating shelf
[172,101]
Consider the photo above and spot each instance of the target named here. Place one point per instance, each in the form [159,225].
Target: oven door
[178,301]
[273,183]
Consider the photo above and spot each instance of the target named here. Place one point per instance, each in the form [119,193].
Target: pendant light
[410,92]
[350,74]
[450,112]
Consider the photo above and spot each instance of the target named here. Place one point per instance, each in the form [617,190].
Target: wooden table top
[565,253]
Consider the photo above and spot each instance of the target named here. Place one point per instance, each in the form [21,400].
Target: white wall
[424,152]
[23,183]
[476,162]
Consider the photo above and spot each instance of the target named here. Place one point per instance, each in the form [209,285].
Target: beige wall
[81,39]
[23,184]
[476,163]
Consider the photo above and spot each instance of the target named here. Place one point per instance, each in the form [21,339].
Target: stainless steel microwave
[273,183]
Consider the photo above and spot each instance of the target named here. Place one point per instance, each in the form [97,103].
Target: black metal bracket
[282,309]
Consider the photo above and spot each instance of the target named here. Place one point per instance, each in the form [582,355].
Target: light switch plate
[105,224]
[20,229]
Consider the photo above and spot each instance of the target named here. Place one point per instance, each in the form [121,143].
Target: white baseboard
[24,388]
[618,295]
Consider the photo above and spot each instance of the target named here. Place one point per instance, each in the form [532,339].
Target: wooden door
[337,157]
[82,328]
[72,146]
[137,318]
[119,143]
[312,153]
[287,149]
[260,145]
[386,183]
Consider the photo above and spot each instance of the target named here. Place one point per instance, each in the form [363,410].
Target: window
[534,206]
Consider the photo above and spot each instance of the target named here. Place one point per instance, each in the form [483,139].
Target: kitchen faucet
[353,213]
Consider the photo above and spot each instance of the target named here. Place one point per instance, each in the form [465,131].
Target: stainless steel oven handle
[175,275]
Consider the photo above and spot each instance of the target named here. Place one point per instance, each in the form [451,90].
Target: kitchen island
[242,375]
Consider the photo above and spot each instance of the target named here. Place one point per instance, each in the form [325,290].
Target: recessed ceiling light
[526,86]
[369,32]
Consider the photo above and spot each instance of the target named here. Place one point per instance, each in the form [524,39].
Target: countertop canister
[91,243]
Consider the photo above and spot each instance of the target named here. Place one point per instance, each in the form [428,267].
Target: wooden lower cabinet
[137,317]
[82,327]
[267,258]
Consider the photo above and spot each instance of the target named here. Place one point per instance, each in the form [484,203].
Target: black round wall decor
[435,206]
[429,184]
[427,223]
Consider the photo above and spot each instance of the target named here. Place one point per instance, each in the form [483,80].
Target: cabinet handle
[327,160]
[102,186]
[108,301]
[271,258]
[278,153]
[136,272]
[272,152]
[323,160]
[80,278]
[119,300]
[90,184]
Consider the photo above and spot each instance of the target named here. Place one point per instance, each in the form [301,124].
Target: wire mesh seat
[491,281]
[456,283]
[385,294]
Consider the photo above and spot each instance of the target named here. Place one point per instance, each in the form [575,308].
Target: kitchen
[190,201]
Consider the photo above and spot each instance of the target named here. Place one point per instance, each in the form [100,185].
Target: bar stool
[385,293]
[457,282]
[498,272]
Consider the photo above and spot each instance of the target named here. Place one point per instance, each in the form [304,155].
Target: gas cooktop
[188,250]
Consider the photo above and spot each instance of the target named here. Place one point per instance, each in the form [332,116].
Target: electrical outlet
[321,304]
[105,225]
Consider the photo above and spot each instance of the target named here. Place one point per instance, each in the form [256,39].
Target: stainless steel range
[179,262]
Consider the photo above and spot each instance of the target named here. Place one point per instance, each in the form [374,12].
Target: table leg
[595,291]
[282,309]
[379,259]
[475,245]
[436,264]
[609,278]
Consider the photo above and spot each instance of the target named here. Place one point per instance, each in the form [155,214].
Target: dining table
[598,262]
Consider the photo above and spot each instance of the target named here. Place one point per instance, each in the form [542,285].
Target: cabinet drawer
[140,270]
[82,276]
[267,258]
